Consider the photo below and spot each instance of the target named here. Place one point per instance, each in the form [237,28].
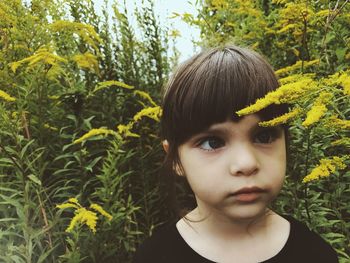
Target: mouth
[248,194]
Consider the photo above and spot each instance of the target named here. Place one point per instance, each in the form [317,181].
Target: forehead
[245,123]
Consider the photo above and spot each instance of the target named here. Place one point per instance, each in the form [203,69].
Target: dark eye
[211,143]
[266,136]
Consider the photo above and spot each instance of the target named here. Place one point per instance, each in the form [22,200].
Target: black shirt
[303,245]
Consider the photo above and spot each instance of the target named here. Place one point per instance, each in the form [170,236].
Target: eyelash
[273,134]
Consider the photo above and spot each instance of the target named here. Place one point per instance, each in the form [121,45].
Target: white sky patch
[164,10]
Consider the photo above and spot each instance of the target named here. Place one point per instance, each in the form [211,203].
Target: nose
[243,160]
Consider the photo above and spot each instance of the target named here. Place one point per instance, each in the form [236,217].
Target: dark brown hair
[209,88]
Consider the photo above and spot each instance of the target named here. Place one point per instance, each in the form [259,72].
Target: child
[234,167]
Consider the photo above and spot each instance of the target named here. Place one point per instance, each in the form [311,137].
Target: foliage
[74,87]
[79,96]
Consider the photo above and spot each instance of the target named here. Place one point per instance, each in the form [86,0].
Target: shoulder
[308,244]
[158,247]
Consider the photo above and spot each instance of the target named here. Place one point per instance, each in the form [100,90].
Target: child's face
[229,157]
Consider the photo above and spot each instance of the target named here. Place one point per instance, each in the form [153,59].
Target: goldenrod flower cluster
[42,55]
[318,109]
[6,96]
[296,77]
[335,122]
[146,96]
[281,119]
[85,31]
[83,215]
[287,93]
[86,61]
[342,141]
[96,132]
[110,83]
[150,112]
[340,78]
[298,64]
[325,168]
[125,130]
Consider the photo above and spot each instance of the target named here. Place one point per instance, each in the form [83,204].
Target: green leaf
[35,179]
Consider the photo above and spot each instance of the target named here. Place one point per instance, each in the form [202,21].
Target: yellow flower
[101,211]
[85,31]
[342,141]
[295,77]
[6,96]
[339,78]
[87,61]
[314,114]
[42,55]
[73,200]
[150,112]
[285,94]
[325,168]
[125,130]
[298,64]
[109,83]
[335,122]
[145,96]
[67,205]
[318,109]
[95,132]
[344,80]
[83,216]
[281,119]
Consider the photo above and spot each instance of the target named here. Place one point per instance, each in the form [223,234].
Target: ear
[165,144]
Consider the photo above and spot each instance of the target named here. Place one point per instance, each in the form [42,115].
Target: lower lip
[247,197]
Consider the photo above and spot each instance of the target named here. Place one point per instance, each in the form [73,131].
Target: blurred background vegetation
[65,71]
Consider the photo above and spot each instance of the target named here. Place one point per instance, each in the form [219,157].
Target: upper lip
[247,190]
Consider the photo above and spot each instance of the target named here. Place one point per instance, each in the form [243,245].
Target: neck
[217,225]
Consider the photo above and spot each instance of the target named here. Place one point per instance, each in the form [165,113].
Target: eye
[211,143]
[266,136]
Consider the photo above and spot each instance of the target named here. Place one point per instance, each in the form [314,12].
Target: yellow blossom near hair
[318,109]
[6,96]
[298,64]
[281,119]
[150,112]
[99,209]
[146,96]
[287,93]
[96,132]
[296,77]
[326,167]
